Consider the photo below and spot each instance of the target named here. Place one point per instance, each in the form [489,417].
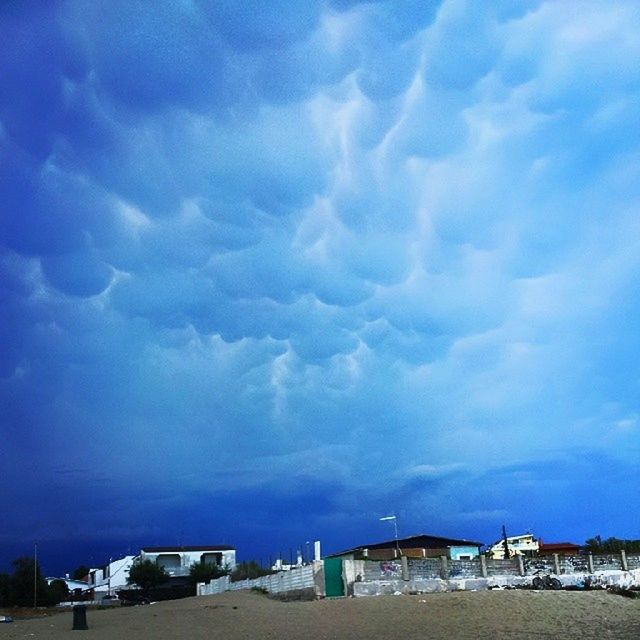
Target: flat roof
[211,547]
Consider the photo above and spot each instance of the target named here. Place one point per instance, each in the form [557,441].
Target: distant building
[76,587]
[562,548]
[419,546]
[111,577]
[522,545]
[177,561]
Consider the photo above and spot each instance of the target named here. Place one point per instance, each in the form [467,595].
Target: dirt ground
[454,616]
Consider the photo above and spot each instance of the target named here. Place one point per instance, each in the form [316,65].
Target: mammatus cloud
[346,259]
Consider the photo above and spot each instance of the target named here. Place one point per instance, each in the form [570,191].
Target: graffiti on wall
[390,569]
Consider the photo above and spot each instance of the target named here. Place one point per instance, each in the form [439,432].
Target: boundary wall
[411,575]
[425,575]
[307,580]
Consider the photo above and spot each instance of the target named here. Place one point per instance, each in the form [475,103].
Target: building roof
[211,547]
[421,541]
[550,546]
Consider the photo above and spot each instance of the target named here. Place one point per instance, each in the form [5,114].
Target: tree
[26,575]
[505,543]
[58,592]
[146,575]
[205,572]
[611,545]
[5,590]
[81,572]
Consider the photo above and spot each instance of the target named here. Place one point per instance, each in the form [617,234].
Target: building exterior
[177,561]
[111,578]
[76,587]
[562,548]
[522,545]
[419,546]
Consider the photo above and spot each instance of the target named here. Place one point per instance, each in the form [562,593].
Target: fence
[296,580]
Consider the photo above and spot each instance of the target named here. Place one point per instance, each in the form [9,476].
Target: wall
[442,574]
[113,576]
[423,575]
[456,552]
[308,578]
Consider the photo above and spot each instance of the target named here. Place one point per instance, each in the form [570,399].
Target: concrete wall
[424,575]
[429,575]
[113,576]
[466,552]
[309,578]
[624,579]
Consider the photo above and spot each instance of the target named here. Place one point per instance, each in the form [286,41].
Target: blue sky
[270,271]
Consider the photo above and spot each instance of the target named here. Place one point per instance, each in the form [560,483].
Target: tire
[555,584]
[538,583]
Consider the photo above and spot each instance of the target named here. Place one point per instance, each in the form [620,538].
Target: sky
[270,271]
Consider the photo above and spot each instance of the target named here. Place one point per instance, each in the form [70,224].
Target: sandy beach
[245,616]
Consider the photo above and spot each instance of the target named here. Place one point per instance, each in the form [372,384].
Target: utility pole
[35,575]
[505,543]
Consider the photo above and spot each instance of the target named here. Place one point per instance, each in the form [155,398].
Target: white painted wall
[179,562]
[518,545]
[113,576]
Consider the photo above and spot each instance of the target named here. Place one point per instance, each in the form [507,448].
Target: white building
[76,587]
[523,545]
[112,577]
[177,561]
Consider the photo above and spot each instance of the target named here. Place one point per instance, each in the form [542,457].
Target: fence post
[444,568]
[405,567]
[521,570]
[623,560]
[483,566]
[556,564]
[590,562]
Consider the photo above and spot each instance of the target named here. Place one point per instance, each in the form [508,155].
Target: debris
[621,591]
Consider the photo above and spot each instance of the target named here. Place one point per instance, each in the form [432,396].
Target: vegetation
[146,575]
[81,572]
[5,590]
[205,572]
[249,570]
[611,545]
[59,591]
[18,589]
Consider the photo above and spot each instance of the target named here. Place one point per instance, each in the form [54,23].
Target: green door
[333,585]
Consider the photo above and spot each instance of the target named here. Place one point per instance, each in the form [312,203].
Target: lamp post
[395,528]
[109,577]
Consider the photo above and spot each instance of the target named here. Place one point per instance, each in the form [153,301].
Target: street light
[395,528]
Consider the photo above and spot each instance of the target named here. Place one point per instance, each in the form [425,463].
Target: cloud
[333,260]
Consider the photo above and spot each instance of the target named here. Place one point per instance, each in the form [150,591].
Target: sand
[246,615]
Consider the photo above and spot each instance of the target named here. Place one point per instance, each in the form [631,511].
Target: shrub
[146,575]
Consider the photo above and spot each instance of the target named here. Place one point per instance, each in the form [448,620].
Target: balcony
[175,572]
